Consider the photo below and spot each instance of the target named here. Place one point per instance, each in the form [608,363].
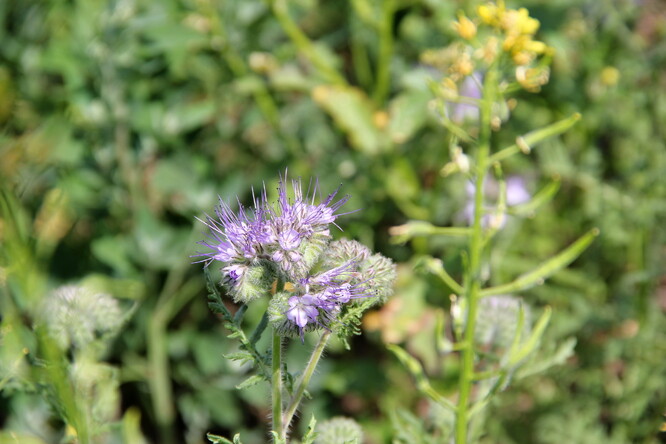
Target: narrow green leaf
[517,335]
[402,233]
[422,381]
[259,330]
[436,267]
[526,142]
[563,352]
[238,317]
[531,344]
[545,270]
[539,199]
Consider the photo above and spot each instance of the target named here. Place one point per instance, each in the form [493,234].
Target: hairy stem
[305,380]
[276,376]
[383,77]
[276,384]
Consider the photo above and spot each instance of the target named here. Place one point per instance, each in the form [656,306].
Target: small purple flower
[297,228]
[302,310]
[234,237]
[516,194]
[516,191]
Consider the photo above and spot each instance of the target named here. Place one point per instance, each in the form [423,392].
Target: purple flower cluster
[280,234]
[289,241]
[322,294]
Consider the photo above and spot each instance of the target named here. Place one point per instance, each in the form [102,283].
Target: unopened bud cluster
[75,316]
[497,321]
[289,242]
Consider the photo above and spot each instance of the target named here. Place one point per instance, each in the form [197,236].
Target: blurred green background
[121,121]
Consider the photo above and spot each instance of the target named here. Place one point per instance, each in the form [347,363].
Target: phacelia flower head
[259,244]
[298,229]
[317,300]
[284,250]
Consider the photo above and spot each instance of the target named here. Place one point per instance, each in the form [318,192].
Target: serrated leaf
[249,382]
[310,435]
[422,382]
[239,356]
[277,439]
[216,439]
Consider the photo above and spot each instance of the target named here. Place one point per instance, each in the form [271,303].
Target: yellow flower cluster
[517,29]
[497,30]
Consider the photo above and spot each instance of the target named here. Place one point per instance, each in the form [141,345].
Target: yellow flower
[532,78]
[491,14]
[463,66]
[465,27]
[519,22]
[610,76]
[488,52]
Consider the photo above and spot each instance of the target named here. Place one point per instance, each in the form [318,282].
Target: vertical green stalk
[276,376]
[383,77]
[473,272]
[305,380]
[276,384]
[304,44]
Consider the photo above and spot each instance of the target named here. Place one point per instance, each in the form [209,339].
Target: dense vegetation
[121,121]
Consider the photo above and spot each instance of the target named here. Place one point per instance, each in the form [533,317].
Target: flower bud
[465,27]
[246,282]
[76,316]
[497,321]
[339,430]
[378,272]
[342,251]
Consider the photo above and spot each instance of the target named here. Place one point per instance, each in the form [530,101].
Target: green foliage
[121,121]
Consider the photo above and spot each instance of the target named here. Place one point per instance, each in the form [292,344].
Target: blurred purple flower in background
[470,88]
[516,194]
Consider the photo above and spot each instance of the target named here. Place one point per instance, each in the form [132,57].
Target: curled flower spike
[233,237]
[297,231]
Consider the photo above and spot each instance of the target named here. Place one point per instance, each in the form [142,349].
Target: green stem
[383,78]
[305,380]
[473,273]
[277,384]
[303,43]
[276,376]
